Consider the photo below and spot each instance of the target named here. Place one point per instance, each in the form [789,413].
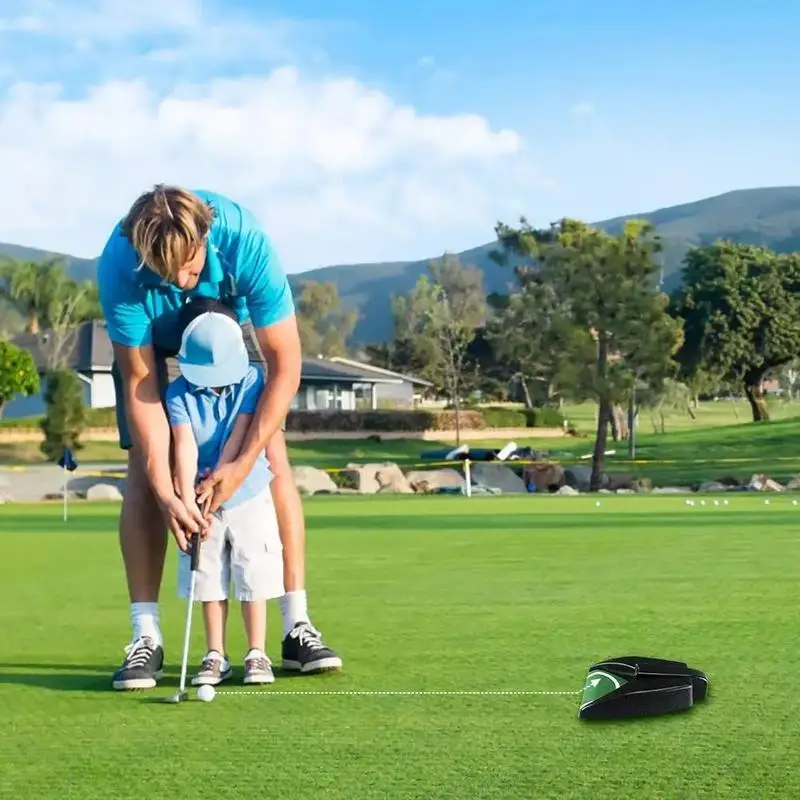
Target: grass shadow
[59,681]
[97,678]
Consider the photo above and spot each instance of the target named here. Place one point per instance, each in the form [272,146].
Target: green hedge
[95,418]
[378,420]
[389,421]
[500,417]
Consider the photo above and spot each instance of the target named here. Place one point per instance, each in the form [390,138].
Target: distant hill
[769,217]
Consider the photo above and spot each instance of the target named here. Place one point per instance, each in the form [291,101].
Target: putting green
[466,627]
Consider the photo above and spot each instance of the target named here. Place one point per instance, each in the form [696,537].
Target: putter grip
[195,551]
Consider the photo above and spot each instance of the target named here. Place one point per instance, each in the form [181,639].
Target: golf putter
[182,694]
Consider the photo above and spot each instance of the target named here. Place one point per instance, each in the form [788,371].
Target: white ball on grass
[206,693]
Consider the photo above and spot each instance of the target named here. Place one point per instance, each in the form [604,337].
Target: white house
[324,383]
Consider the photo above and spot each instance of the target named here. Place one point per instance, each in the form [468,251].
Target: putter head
[640,686]
[177,697]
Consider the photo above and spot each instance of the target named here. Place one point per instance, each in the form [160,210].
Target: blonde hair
[166,226]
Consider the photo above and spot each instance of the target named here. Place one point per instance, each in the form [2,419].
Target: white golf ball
[206,693]
[794,502]
[597,503]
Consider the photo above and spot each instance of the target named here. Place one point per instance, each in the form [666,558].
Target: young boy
[209,407]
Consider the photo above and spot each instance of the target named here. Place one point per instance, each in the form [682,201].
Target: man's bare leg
[143,543]
[289,510]
[303,649]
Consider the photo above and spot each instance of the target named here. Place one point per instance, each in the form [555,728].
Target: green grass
[423,594]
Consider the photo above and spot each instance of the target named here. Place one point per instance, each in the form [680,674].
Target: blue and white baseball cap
[213,352]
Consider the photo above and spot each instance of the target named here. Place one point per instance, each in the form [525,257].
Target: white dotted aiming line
[312,692]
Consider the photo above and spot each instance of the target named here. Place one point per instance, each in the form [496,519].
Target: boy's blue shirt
[241,268]
[212,417]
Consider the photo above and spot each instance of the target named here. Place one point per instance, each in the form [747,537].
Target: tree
[532,334]
[53,304]
[740,308]
[65,417]
[672,395]
[606,301]
[323,325]
[439,319]
[18,374]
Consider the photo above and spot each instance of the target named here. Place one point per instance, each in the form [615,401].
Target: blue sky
[344,127]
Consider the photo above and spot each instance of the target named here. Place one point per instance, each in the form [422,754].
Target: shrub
[66,416]
[379,420]
[544,417]
[499,417]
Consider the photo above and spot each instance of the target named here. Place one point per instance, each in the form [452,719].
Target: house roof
[329,370]
[87,348]
[370,369]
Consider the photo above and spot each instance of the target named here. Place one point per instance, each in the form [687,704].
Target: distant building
[324,383]
[390,389]
[86,350]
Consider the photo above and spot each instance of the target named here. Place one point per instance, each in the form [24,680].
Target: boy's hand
[180,520]
[221,484]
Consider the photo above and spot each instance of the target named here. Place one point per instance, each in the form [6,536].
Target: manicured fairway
[423,594]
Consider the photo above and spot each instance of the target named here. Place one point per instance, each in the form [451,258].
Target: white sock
[294,608]
[144,621]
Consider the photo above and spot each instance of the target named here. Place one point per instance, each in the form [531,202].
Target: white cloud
[336,171]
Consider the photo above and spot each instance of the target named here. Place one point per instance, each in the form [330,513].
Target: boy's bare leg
[215,619]
[215,667]
[254,615]
[257,667]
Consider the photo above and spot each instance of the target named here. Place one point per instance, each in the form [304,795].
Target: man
[173,247]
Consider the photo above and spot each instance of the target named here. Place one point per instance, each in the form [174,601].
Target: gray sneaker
[214,669]
[257,668]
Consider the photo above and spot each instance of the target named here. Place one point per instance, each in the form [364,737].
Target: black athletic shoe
[303,651]
[142,667]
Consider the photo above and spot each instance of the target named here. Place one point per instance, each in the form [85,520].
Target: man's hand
[181,521]
[220,485]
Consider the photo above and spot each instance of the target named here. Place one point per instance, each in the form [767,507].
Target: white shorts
[243,544]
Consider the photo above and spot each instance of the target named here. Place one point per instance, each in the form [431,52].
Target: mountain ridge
[768,216]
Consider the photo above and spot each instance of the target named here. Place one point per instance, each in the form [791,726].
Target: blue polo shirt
[212,416]
[241,268]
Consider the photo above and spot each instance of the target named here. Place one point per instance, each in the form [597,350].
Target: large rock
[310,480]
[568,490]
[383,478]
[544,477]
[763,483]
[617,482]
[579,478]
[713,486]
[360,477]
[430,480]
[103,492]
[497,476]
[391,480]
